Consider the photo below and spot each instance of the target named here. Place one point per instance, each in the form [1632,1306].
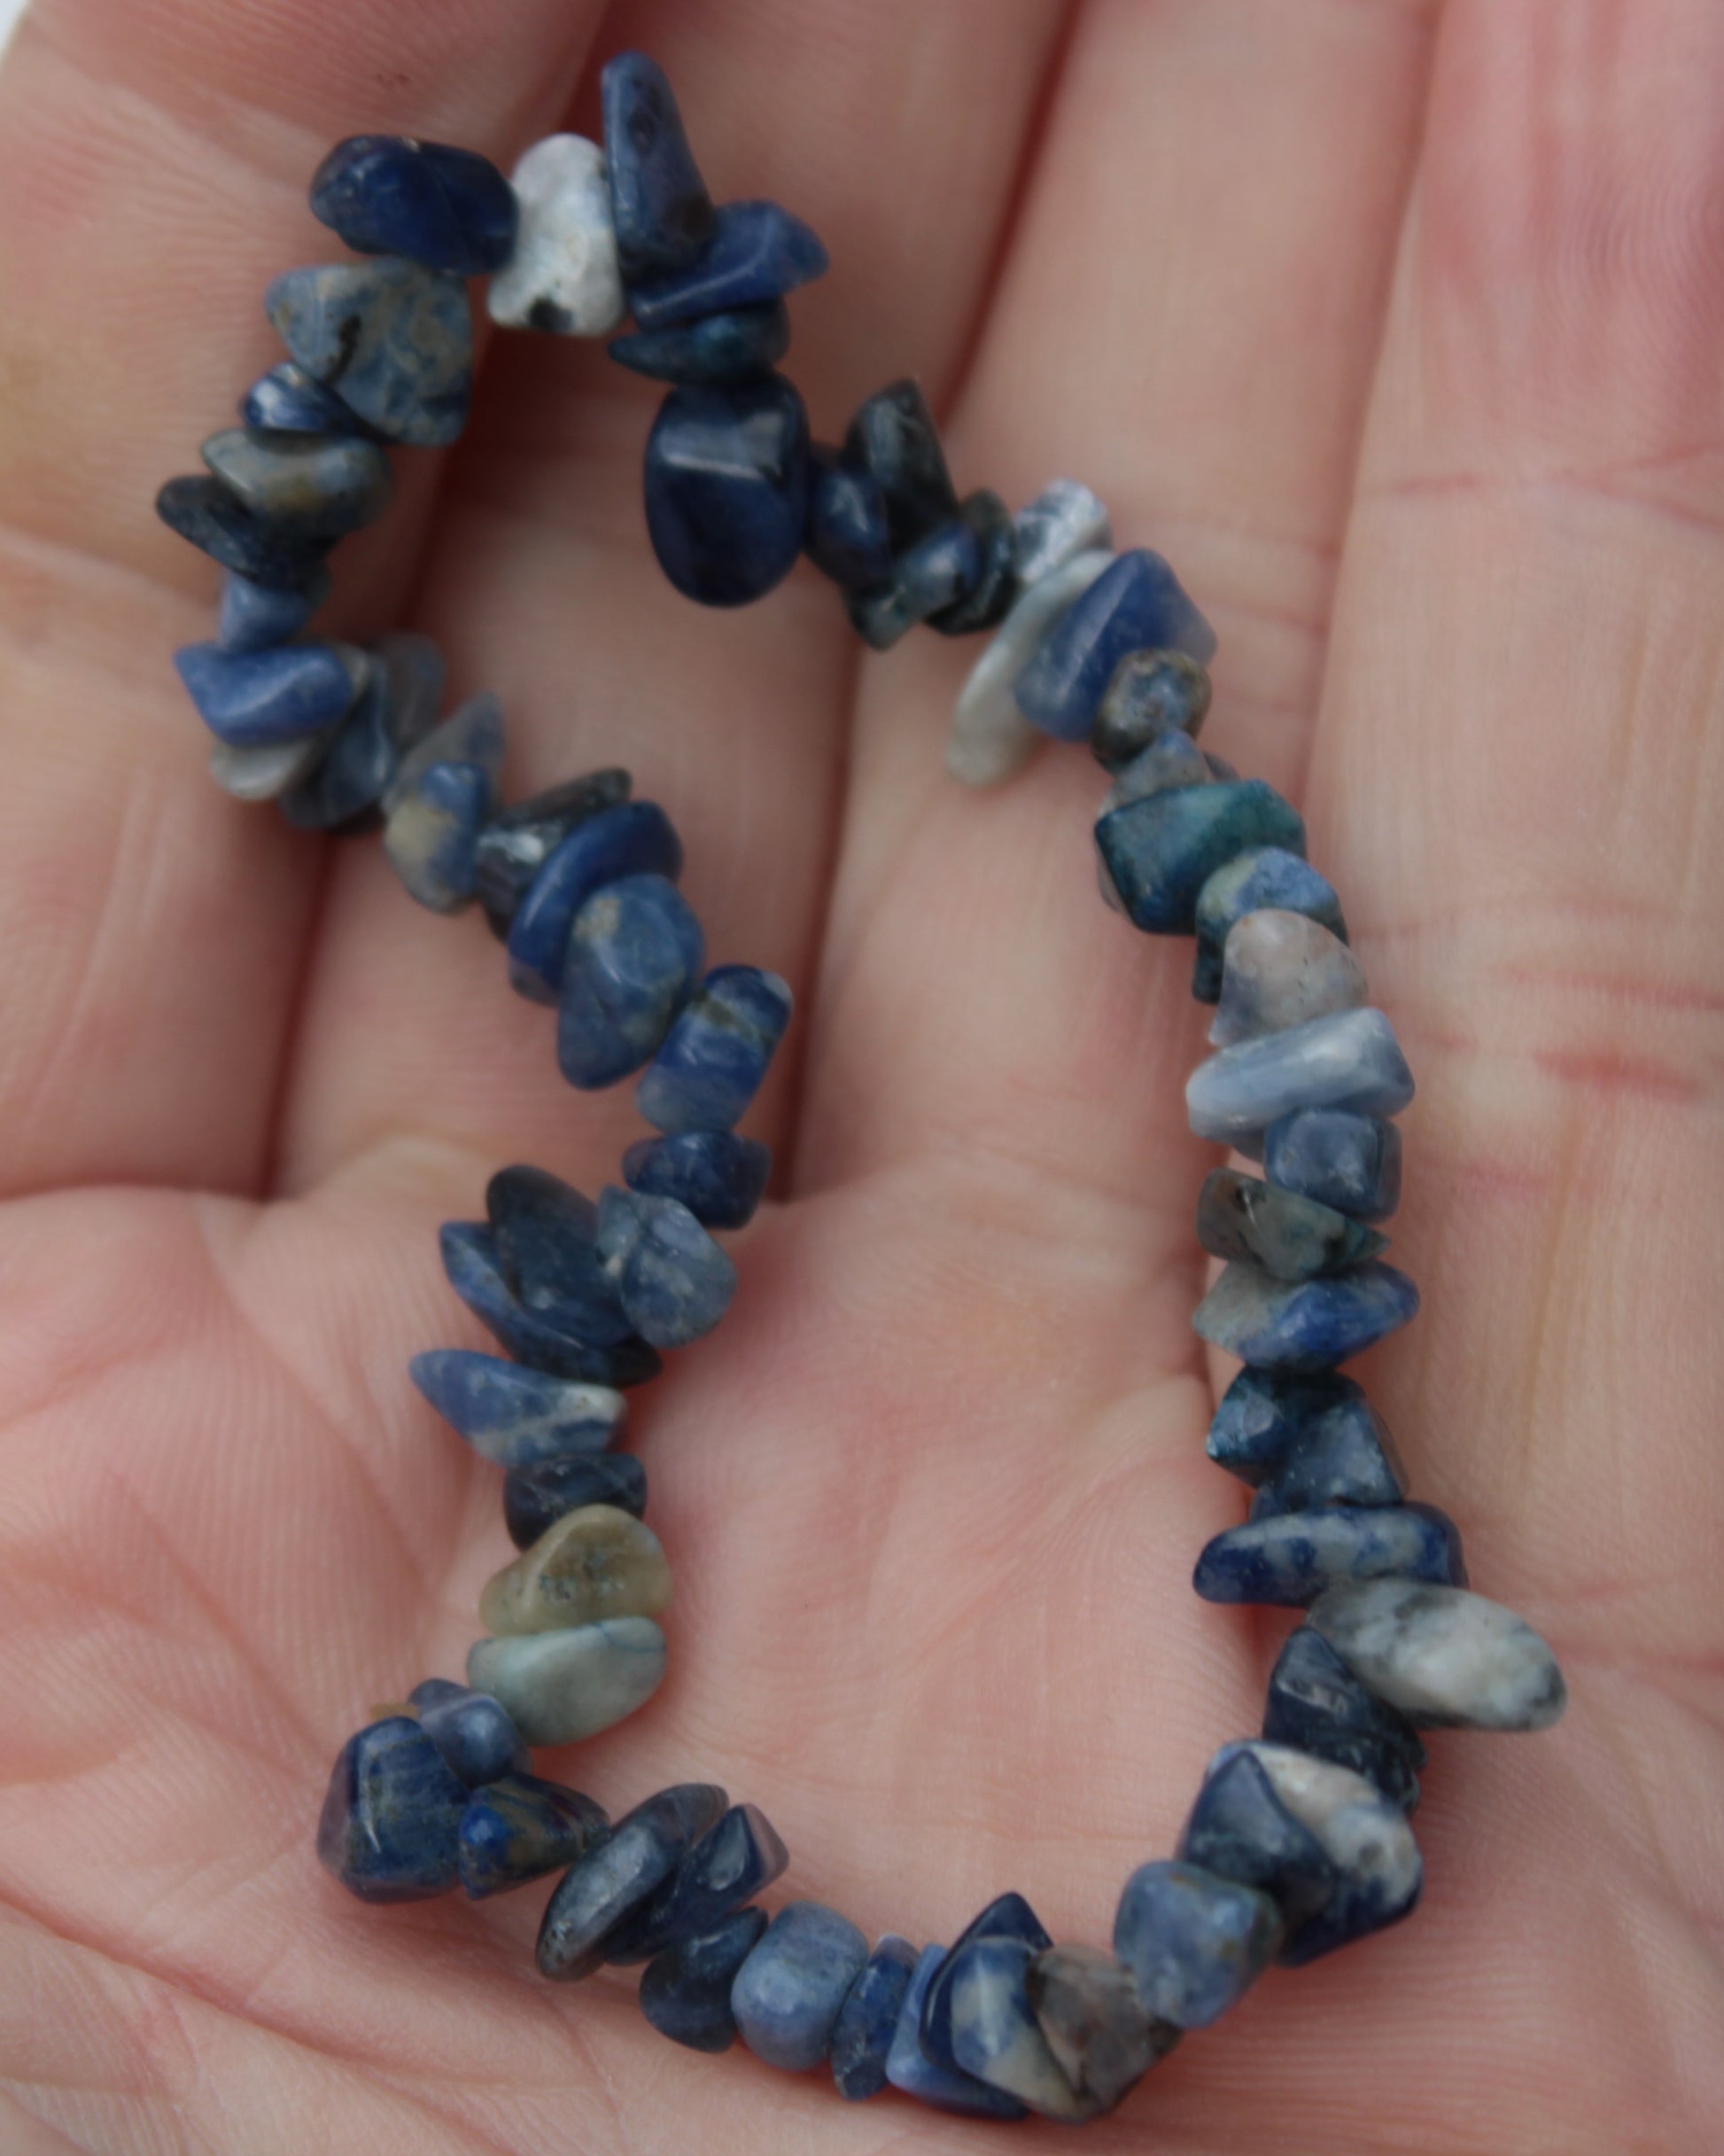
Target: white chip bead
[990,738]
[1445,1657]
[1065,519]
[563,275]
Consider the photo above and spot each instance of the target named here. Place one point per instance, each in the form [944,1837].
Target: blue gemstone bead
[350,778]
[1266,876]
[893,439]
[994,2032]
[1339,1157]
[1240,1829]
[1288,1560]
[663,213]
[393,1815]
[987,597]
[788,1992]
[615,1875]
[674,1281]
[517,841]
[1007,1916]
[718,1176]
[251,698]
[547,1235]
[214,519]
[1136,605]
[728,1865]
[635,953]
[757,253]
[934,574]
[1294,1238]
[1302,1327]
[475,1270]
[910,2069]
[1261,1416]
[473,1733]
[432,835]
[393,339]
[1350,1060]
[862,2034]
[1173,762]
[389,194]
[1343,1456]
[535,1499]
[288,400]
[715,1057]
[519,1828]
[253,617]
[716,352]
[1195,1943]
[846,536]
[1152,694]
[1316,1704]
[726,481]
[635,838]
[323,484]
[685,1992]
[1159,851]
[517,1417]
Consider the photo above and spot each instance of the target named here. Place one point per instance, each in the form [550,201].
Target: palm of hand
[933,1495]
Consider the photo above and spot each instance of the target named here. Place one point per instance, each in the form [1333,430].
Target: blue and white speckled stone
[536,1498]
[393,339]
[325,484]
[1291,1237]
[758,250]
[1340,1455]
[212,517]
[1350,1161]
[1350,1060]
[726,489]
[661,212]
[995,2034]
[1302,1327]
[634,838]
[519,840]
[612,1879]
[1262,1416]
[269,769]
[1195,1943]
[788,1992]
[432,835]
[1159,851]
[1009,1916]
[910,2069]
[561,1688]
[1094,2024]
[473,733]
[547,1236]
[674,1281]
[720,351]
[1173,762]
[635,953]
[288,400]
[250,699]
[990,738]
[685,1991]
[515,1416]
[862,2034]
[1290,1557]
[715,1056]
[1065,519]
[1280,970]
[1314,1703]
[393,1815]
[1445,1658]
[1239,1829]
[564,276]
[1137,605]
[519,1827]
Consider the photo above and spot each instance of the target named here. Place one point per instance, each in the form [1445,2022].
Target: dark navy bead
[1159,852]
[537,1497]
[288,400]
[685,1993]
[474,1735]
[393,1814]
[1261,1412]
[519,1828]
[1008,1917]
[933,574]
[1194,1942]
[987,599]
[862,2034]
[1302,1327]
[1151,694]
[1267,877]
[674,1281]
[547,1236]
[846,536]
[1316,1705]
[757,253]
[910,2069]
[1341,1456]
[726,481]
[663,213]
[517,841]
[395,341]
[1294,1238]
[1290,1559]
[214,519]
[516,1417]
[715,1057]
[788,1992]
[389,194]
[728,1865]
[475,1272]
[1135,605]
[719,351]
[1349,1161]
[1239,1829]
[349,781]
[635,838]
[251,697]
[718,1176]
[253,617]
[893,439]
[617,1874]
[635,953]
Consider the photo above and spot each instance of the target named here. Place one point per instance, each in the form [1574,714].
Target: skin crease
[1397,328]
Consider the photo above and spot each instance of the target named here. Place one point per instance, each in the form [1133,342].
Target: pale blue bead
[910,2069]
[674,1281]
[515,1416]
[563,1688]
[715,1056]
[1195,1943]
[254,617]
[1267,877]
[788,1992]
[472,733]
[1302,1327]
[1291,1558]
[251,698]
[1350,1060]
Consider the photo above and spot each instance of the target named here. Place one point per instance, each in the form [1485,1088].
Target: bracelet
[1299,1839]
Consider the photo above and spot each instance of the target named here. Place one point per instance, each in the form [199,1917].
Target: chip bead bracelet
[1299,1839]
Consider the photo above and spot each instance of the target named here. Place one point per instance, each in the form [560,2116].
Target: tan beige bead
[592,1563]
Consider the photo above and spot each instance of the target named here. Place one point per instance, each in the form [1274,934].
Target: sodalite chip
[1316,1704]
[719,351]
[251,698]
[517,841]
[393,1815]
[1239,1829]
[1263,1415]
[1151,694]
[268,770]
[661,211]
[547,1238]
[1267,877]
[343,789]
[1065,519]
[1159,852]
[212,517]
[1007,1916]
[1194,1942]
[845,536]
[1291,1237]
[320,484]
[1094,2024]
[987,597]
[1279,970]
[685,1991]
[1445,1658]
[892,436]
[519,1827]
[1351,1059]
[910,2069]
[536,1498]
[990,738]
[674,1281]
[726,489]
[564,274]
[253,617]
[390,194]
[788,1992]
[1343,1455]
[472,1730]
[862,2034]
[716,1055]
[1173,762]
[757,253]
[518,1418]
[560,1688]
[1340,1158]
[475,1270]
[1302,1327]
[718,1176]
[635,953]
[730,1864]
[994,2032]
[634,838]
[1137,605]
[395,341]
[432,835]
[288,400]
[1291,1558]
[614,1876]
[932,574]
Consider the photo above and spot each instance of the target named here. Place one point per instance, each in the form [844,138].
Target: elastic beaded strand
[1298,1840]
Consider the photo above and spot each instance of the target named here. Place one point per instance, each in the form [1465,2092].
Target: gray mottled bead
[1089,2012]
[324,483]
[1281,969]
[394,339]
[1351,1059]
[1446,1658]
[559,1687]
[990,738]
[1294,1238]
[788,1992]
[269,768]
[995,2034]
[563,275]
[1065,519]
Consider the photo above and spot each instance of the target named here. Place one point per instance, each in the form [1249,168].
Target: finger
[153,165]
[543,585]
